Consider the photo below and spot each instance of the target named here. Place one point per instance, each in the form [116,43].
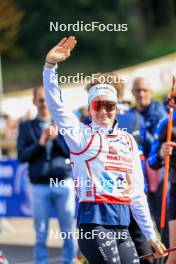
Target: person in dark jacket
[160,148]
[48,157]
[152,112]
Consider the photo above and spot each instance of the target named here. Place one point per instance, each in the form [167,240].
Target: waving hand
[61,51]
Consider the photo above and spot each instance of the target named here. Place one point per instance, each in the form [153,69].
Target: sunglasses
[99,105]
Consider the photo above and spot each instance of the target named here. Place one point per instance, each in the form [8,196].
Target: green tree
[10,18]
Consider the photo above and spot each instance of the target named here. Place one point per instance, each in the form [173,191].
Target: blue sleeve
[155,161]
[157,114]
[143,130]
[141,147]
[160,113]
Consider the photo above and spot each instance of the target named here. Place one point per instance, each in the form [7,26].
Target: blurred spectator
[156,160]
[8,134]
[152,112]
[48,158]
[10,128]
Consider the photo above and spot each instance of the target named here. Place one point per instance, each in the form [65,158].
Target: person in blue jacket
[152,112]
[160,148]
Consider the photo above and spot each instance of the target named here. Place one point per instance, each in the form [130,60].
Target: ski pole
[152,255]
[172,104]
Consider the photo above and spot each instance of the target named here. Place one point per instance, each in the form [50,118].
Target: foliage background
[25,37]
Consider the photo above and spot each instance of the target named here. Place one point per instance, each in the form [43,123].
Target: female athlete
[106,169]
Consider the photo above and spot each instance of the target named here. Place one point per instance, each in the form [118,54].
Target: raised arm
[63,118]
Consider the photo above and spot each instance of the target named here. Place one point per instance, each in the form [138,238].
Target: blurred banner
[15,198]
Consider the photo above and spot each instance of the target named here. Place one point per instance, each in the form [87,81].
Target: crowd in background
[144,116]
[9,133]
[9,127]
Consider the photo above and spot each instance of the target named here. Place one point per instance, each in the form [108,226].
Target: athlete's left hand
[159,248]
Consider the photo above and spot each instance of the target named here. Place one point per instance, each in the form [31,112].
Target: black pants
[140,242]
[155,202]
[172,202]
[106,244]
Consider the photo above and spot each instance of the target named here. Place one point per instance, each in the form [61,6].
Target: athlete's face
[103,111]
